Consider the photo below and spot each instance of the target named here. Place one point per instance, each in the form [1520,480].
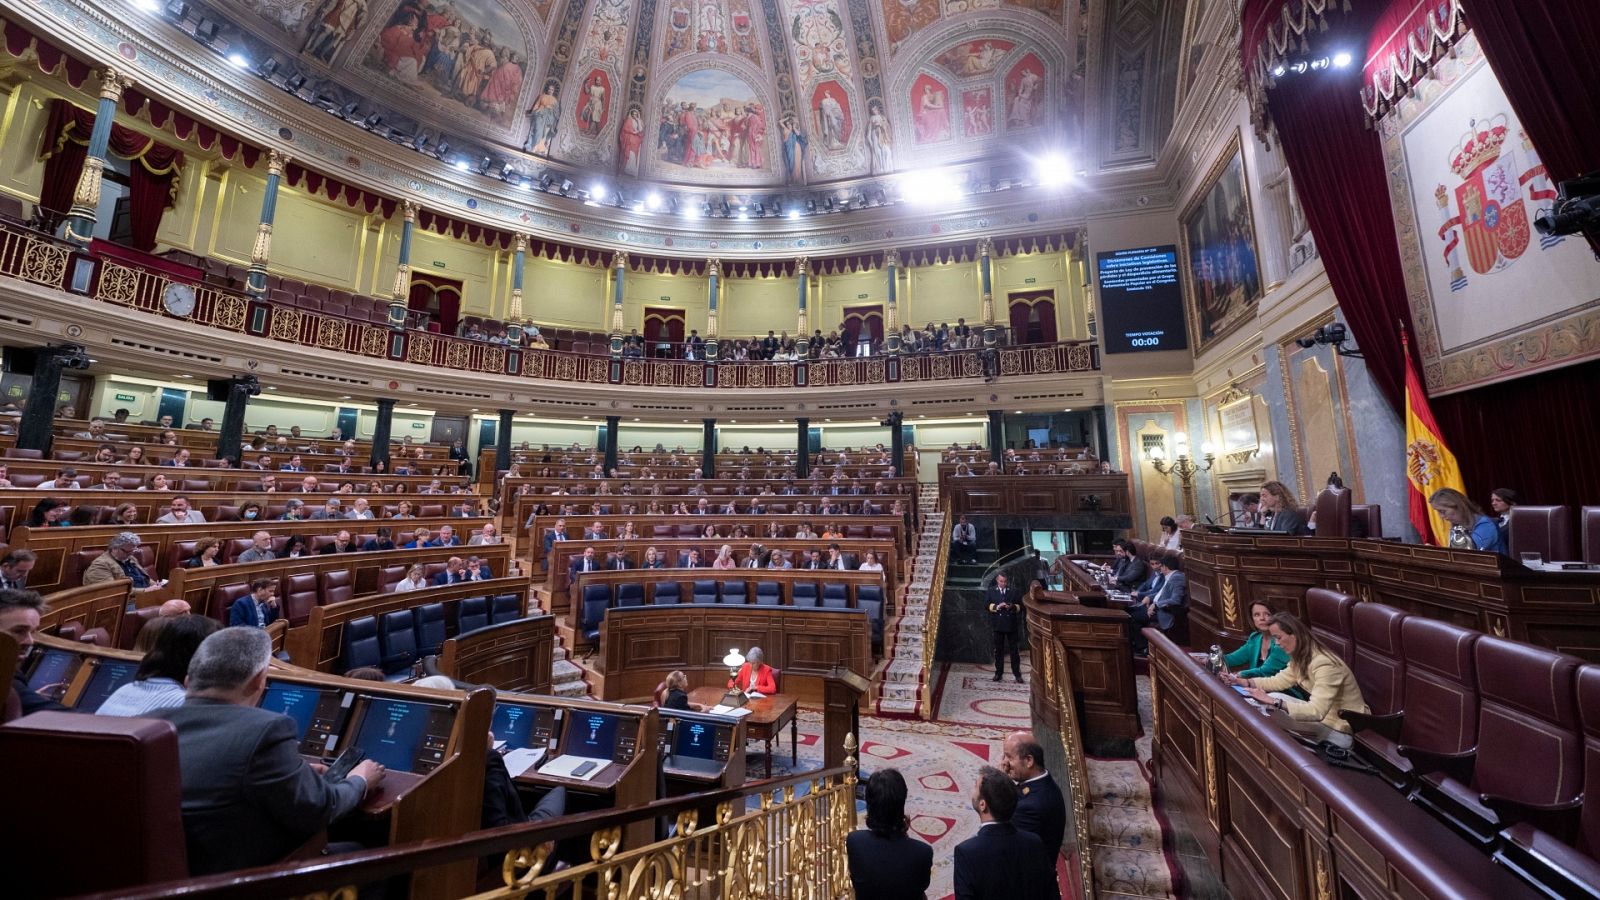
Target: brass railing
[930,624]
[791,846]
[41,259]
[1080,847]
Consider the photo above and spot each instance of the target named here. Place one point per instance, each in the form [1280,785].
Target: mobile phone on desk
[347,760]
[1240,689]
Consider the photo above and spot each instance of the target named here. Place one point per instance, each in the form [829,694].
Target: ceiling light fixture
[1052,171]
[1342,59]
[929,187]
[652,201]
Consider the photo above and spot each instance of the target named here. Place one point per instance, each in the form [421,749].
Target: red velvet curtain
[1546,55]
[1344,189]
[153,183]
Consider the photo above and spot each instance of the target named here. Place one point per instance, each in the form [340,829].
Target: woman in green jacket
[1260,657]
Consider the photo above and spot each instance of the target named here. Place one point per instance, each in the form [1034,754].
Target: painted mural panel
[712,120]
[830,116]
[630,142]
[970,58]
[820,50]
[903,18]
[1025,94]
[462,56]
[331,26]
[594,103]
[977,112]
[930,110]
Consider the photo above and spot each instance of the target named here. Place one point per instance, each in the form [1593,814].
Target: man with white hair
[249,799]
[119,562]
[260,548]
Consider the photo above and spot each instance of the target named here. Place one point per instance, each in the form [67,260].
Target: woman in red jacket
[755,675]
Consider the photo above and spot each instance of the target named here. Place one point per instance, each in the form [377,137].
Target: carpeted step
[1128,827]
[1117,782]
[1132,873]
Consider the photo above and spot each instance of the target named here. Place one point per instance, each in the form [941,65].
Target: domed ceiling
[705,92]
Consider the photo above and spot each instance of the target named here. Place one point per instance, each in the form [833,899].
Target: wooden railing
[40,259]
[930,625]
[791,843]
[1057,672]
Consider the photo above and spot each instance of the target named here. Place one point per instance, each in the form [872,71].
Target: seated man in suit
[19,617]
[1129,571]
[333,509]
[1161,607]
[1000,862]
[249,799]
[477,569]
[179,459]
[180,512]
[259,608]
[260,549]
[616,561]
[119,561]
[1042,809]
[447,536]
[341,544]
[455,572]
[584,563]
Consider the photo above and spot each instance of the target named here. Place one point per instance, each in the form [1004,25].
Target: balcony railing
[41,259]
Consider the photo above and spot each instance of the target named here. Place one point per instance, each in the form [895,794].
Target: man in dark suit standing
[1042,810]
[999,862]
[248,797]
[1004,620]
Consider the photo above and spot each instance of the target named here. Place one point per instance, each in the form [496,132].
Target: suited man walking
[1000,862]
[1004,621]
[249,799]
[1161,607]
[1042,809]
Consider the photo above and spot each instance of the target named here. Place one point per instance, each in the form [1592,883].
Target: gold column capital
[276,161]
[113,82]
[985,246]
[891,258]
[802,266]
[409,210]
[714,267]
[619,260]
[522,243]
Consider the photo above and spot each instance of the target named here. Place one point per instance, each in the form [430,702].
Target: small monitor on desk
[109,674]
[693,739]
[522,727]
[590,734]
[295,701]
[52,666]
[404,735]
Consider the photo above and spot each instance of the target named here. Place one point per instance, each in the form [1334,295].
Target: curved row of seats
[597,598]
[1498,738]
[299,593]
[397,640]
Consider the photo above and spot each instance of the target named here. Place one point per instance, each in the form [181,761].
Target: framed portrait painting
[1219,250]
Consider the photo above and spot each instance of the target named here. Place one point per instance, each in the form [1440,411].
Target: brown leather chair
[223,597]
[133,622]
[136,828]
[1439,725]
[1328,615]
[1546,530]
[1376,659]
[1590,527]
[335,586]
[178,552]
[1366,521]
[1528,763]
[20,453]
[1333,513]
[1544,858]
[298,598]
[390,576]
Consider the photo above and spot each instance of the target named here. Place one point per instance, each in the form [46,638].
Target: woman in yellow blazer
[1316,670]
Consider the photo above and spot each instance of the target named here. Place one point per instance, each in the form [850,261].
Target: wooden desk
[1099,501]
[1227,571]
[1101,660]
[767,717]
[1277,822]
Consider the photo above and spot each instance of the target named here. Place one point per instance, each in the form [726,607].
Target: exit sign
[1029,280]
[438,264]
[418,426]
[666,299]
[126,398]
[861,296]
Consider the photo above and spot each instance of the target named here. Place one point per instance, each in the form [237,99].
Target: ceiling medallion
[127,51]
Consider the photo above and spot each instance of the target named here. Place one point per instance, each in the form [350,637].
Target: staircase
[903,684]
[567,678]
[1127,838]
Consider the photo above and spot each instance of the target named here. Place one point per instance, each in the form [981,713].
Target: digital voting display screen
[1141,302]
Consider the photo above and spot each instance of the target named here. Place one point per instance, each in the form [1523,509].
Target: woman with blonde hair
[724,558]
[1281,510]
[1470,529]
[1325,678]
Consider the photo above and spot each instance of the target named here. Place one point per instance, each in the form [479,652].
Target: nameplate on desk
[1566,567]
[733,711]
[568,766]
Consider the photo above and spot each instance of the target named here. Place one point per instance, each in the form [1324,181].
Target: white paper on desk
[522,759]
[755,695]
[1080,562]
[734,711]
[562,766]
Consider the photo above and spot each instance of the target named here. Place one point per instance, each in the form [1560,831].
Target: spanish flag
[1429,463]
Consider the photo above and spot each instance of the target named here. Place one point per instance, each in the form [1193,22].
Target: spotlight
[929,187]
[1299,68]
[545,180]
[725,209]
[463,166]
[507,172]
[524,184]
[373,121]
[420,142]
[177,9]
[347,111]
[827,203]
[1278,71]
[239,60]
[149,6]
[597,191]
[1052,171]
[761,209]
[267,67]
[441,149]
[743,215]
[653,201]
[206,31]
[811,205]
[484,164]
[690,211]
[566,186]
[294,83]
[881,198]
[794,214]
[1342,59]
